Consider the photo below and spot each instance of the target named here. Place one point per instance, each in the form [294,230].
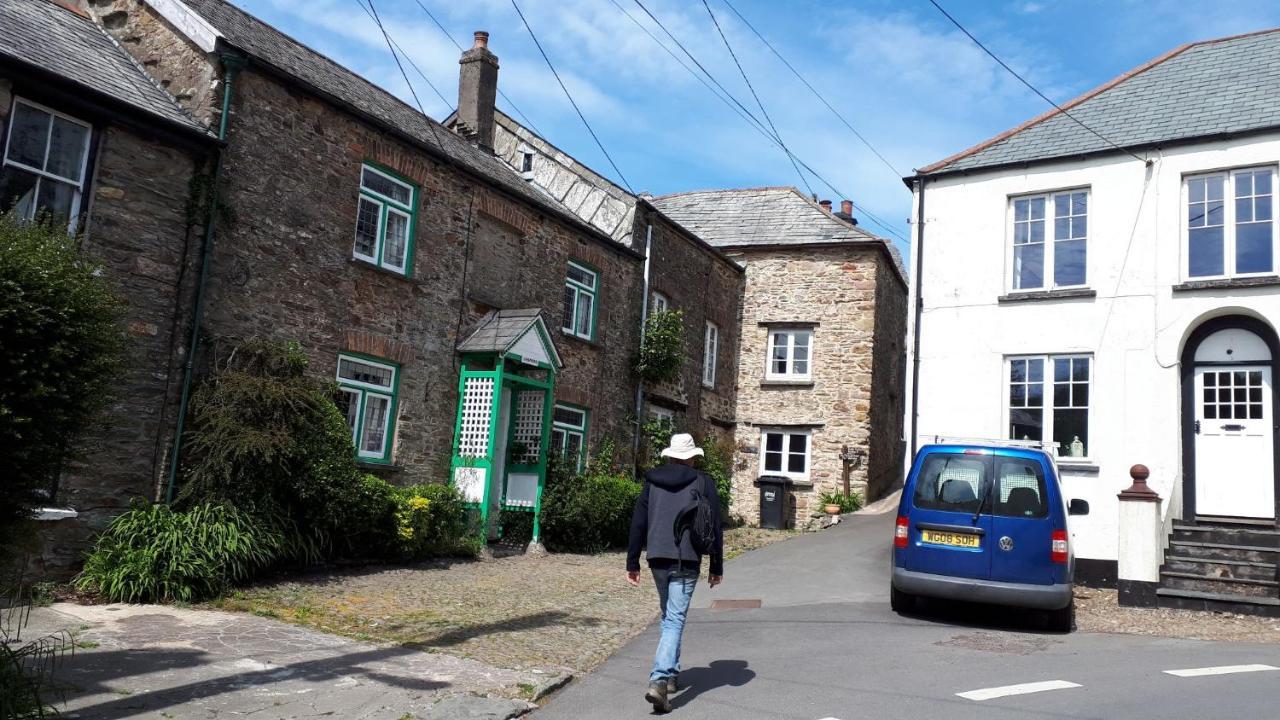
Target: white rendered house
[1108,281]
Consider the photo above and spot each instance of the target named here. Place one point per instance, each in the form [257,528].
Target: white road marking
[1023,689]
[1220,670]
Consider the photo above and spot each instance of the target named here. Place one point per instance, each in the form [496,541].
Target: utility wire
[431,124]
[501,94]
[896,173]
[412,63]
[759,126]
[750,87]
[1029,85]
[570,96]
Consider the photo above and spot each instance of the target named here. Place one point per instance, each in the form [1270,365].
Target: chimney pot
[826,205]
[846,207]
[482,39]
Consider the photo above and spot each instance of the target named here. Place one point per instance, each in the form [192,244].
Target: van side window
[1022,491]
[951,482]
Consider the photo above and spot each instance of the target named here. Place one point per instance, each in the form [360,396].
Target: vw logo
[1006,543]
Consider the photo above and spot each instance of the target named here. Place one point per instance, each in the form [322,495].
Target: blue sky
[905,78]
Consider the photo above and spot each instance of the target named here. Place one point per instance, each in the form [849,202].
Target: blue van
[985,523]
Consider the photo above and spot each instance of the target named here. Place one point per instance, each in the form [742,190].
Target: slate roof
[1208,88]
[272,47]
[768,216]
[41,34]
[500,330]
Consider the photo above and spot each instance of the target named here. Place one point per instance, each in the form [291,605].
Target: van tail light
[1059,551]
[900,533]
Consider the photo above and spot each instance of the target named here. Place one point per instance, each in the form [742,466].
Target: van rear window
[957,483]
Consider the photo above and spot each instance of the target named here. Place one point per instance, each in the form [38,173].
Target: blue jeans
[675,590]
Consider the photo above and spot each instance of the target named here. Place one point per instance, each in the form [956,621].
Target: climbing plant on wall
[662,350]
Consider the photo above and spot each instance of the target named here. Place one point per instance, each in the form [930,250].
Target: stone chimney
[826,205]
[477,92]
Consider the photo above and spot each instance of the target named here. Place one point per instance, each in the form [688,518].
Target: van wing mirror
[1078,507]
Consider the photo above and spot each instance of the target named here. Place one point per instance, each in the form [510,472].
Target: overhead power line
[412,64]
[1033,88]
[814,90]
[750,87]
[569,95]
[431,125]
[755,123]
[456,44]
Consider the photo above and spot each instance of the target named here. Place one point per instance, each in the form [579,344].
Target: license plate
[963,540]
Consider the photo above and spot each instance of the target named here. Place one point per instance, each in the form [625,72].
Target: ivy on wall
[662,350]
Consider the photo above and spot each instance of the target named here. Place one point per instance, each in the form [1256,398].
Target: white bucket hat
[682,447]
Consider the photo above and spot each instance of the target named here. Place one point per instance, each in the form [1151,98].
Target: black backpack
[698,520]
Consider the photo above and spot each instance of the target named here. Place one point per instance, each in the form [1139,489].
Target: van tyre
[1063,620]
[901,602]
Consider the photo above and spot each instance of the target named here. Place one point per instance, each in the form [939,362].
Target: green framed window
[581,286]
[569,433]
[367,392]
[385,218]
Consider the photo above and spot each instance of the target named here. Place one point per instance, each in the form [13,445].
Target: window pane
[357,371]
[67,149]
[1213,187]
[1080,369]
[1021,210]
[1025,424]
[56,199]
[1061,369]
[569,416]
[582,276]
[800,353]
[348,402]
[1017,395]
[1262,182]
[951,482]
[795,462]
[1195,190]
[1037,208]
[1071,432]
[29,136]
[1035,395]
[799,442]
[1204,250]
[801,339]
[397,239]
[1061,395]
[1028,267]
[773,462]
[1068,262]
[570,303]
[1017,370]
[584,314]
[1035,369]
[573,448]
[367,215]
[1253,247]
[800,367]
[386,186]
[1022,489]
[375,423]
[17,192]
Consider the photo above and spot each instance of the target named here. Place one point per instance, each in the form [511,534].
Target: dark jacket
[668,490]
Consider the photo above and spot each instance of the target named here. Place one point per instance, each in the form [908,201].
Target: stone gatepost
[1140,542]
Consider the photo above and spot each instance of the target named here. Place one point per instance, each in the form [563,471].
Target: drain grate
[734,604]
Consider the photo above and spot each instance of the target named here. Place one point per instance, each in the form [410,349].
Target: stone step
[1214,584]
[1223,551]
[1217,602]
[1251,535]
[1220,568]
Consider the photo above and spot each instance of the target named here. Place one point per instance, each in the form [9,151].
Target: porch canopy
[505,395]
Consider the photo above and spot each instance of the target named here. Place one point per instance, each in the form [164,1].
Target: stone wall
[888,383]
[834,289]
[138,227]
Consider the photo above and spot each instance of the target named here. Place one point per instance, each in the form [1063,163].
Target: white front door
[1234,466]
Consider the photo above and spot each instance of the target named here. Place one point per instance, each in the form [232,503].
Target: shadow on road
[980,616]
[720,673]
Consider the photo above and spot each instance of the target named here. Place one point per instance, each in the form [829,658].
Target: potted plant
[830,503]
[838,503]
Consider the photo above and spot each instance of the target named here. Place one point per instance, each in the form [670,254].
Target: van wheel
[1064,620]
[901,602]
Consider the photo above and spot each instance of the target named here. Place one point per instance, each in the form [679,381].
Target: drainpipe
[231,66]
[644,319]
[915,340]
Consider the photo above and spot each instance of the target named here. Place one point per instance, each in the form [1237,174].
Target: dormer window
[526,165]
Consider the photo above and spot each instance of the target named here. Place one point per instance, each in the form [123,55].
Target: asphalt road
[825,646]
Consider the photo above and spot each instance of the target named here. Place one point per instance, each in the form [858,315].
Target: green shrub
[662,349]
[268,438]
[372,530]
[848,503]
[431,521]
[60,349]
[656,434]
[592,512]
[718,463]
[155,554]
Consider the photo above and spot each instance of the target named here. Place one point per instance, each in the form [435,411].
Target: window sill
[579,339]
[789,323]
[1229,283]
[786,383]
[379,269]
[1081,468]
[50,513]
[377,466]
[1032,296]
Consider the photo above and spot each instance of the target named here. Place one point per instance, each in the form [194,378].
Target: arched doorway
[1229,420]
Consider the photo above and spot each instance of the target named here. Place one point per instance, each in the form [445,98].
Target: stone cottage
[88,138]
[820,368]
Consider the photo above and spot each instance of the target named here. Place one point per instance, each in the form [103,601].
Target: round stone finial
[1139,473]
[1139,491]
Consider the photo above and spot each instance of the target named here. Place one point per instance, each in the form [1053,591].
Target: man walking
[666,524]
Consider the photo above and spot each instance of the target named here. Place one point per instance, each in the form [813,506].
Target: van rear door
[944,537]
[1023,522]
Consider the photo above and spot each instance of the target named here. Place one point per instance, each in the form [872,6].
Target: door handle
[1233,428]
[1197,427]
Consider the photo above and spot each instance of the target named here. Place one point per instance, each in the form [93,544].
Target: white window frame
[711,353]
[567,429]
[1050,240]
[42,175]
[790,375]
[1228,223]
[1047,401]
[570,323]
[786,434]
[660,303]
[657,412]
[386,205]
[363,390]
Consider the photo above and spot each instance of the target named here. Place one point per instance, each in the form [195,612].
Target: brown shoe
[657,695]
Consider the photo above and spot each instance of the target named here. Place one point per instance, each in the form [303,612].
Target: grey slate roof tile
[40,33]
[1204,89]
